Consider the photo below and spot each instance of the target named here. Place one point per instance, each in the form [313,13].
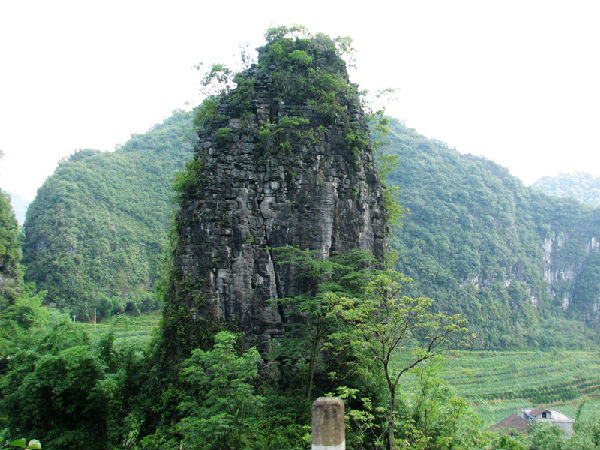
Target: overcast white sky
[515,81]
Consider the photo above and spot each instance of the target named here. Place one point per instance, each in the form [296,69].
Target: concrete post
[328,424]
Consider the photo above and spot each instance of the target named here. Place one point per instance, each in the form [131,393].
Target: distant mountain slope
[483,244]
[580,186]
[95,231]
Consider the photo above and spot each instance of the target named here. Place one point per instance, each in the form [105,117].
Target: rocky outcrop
[282,172]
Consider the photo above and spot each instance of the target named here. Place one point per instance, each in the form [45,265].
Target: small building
[551,416]
[521,423]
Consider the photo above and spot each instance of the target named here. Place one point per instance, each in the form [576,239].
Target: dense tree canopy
[10,247]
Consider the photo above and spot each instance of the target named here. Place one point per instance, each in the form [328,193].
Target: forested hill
[481,243]
[96,229]
[580,186]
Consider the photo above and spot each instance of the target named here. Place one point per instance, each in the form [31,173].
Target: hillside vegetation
[484,245]
[10,248]
[96,230]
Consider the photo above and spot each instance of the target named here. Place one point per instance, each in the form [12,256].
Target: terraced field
[541,377]
[499,383]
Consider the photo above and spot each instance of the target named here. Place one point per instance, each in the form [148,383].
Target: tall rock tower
[283,159]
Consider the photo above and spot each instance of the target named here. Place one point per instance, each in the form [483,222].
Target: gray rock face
[313,193]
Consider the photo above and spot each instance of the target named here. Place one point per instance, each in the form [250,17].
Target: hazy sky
[515,81]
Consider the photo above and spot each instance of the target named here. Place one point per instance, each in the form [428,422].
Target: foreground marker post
[328,424]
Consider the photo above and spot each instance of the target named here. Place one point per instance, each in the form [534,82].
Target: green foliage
[586,292]
[385,326]
[206,113]
[222,137]
[386,163]
[360,417]
[33,444]
[10,246]
[63,385]
[545,436]
[217,80]
[277,33]
[300,58]
[96,230]
[53,392]
[355,311]
[586,434]
[221,409]
[188,181]
[19,321]
[314,324]
[305,70]
[434,417]
[510,442]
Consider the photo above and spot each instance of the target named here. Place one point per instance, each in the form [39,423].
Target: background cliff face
[481,243]
[284,159]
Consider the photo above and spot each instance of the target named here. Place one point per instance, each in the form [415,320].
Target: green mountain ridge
[95,231]
[482,244]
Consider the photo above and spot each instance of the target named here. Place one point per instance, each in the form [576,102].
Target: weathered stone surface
[328,432]
[316,194]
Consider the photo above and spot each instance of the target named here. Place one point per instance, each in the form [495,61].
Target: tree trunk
[311,367]
[391,418]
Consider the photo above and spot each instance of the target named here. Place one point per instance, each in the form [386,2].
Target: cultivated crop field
[133,330]
[499,383]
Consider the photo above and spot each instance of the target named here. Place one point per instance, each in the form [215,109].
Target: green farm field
[499,383]
[133,330]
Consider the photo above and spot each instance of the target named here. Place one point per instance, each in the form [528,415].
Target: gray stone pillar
[328,424]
